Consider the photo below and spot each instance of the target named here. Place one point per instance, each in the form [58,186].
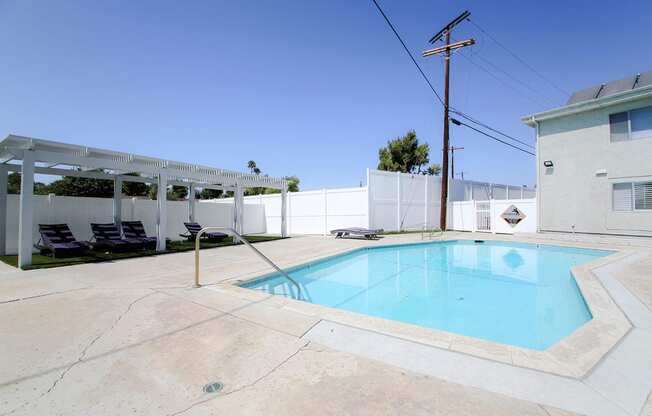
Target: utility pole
[446,49]
[453,149]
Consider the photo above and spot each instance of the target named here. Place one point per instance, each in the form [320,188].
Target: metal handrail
[248,244]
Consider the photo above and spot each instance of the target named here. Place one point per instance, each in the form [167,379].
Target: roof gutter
[618,98]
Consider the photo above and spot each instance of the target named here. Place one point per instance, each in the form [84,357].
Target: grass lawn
[43,262]
[434,230]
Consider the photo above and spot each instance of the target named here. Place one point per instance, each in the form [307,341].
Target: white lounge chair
[357,232]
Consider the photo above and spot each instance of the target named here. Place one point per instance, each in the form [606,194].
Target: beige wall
[572,192]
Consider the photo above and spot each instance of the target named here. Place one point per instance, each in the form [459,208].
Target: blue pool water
[512,293]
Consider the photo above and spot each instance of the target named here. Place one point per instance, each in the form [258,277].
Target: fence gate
[483,216]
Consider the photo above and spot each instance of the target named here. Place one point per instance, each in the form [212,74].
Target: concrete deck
[133,337]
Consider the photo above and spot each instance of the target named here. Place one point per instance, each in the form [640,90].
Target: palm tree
[251,165]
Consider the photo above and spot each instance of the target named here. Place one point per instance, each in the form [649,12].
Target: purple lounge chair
[367,233]
[107,237]
[58,240]
[134,230]
[194,228]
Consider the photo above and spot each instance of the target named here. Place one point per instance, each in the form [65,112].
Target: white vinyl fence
[79,212]
[507,216]
[312,212]
[391,201]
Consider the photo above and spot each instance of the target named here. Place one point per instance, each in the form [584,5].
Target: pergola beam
[42,156]
[107,176]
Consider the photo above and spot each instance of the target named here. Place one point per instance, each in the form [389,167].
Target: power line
[414,61]
[518,58]
[486,126]
[432,88]
[511,77]
[461,123]
[497,78]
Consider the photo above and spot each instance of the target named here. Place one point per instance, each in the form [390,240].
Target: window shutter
[622,196]
[643,195]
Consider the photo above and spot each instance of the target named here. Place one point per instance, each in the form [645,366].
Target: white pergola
[63,159]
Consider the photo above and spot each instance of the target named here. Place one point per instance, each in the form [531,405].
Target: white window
[643,195]
[630,125]
[622,196]
[628,196]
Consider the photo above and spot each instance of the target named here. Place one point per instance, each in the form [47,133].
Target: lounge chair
[107,236]
[367,233]
[135,231]
[58,240]
[194,228]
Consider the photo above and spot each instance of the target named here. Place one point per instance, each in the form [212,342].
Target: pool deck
[134,337]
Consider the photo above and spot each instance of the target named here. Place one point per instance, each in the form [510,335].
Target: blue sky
[302,87]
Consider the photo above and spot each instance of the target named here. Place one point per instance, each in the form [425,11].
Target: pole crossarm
[445,33]
[450,47]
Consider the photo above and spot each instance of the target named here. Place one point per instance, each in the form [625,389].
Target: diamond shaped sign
[513,215]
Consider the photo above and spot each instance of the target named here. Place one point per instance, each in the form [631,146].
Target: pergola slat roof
[64,159]
[57,153]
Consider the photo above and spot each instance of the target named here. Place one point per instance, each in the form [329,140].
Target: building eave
[619,98]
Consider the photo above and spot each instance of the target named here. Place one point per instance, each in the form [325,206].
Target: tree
[76,186]
[135,188]
[293,182]
[434,169]
[404,154]
[210,193]
[177,193]
[252,165]
[293,185]
[13,185]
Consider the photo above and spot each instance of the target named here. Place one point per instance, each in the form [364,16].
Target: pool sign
[513,215]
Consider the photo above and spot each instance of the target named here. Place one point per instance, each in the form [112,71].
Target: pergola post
[117,201]
[162,210]
[25,221]
[238,210]
[284,211]
[3,210]
[191,202]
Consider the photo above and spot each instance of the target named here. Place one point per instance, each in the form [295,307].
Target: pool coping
[573,356]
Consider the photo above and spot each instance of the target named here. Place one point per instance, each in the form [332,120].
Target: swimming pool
[511,293]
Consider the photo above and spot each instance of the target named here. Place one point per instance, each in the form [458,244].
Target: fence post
[325,196]
[398,201]
[289,213]
[492,215]
[370,201]
[425,205]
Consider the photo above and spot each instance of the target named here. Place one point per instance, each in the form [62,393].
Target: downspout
[538,162]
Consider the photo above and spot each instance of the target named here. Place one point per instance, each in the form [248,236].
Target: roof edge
[589,105]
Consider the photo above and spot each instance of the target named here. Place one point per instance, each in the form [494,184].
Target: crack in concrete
[60,292]
[542,407]
[82,355]
[246,386]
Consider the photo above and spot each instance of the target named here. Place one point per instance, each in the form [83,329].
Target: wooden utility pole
[453,149]
[447,48]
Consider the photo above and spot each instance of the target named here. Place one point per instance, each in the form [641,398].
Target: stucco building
[594,160]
